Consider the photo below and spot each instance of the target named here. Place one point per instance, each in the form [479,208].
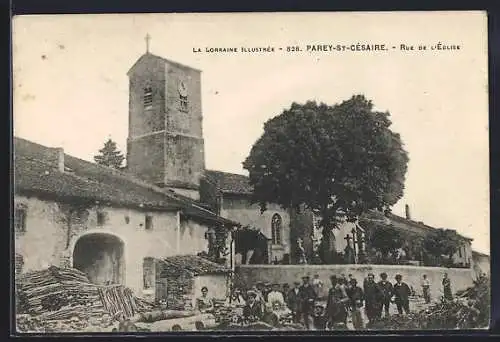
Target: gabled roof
[150,56]
[230,183]
[401,223]
[36,173]
[480,254]
[192,264]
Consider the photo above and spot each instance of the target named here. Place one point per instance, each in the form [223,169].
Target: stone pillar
[269,252]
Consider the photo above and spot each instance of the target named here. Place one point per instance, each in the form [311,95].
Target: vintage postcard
[251,172]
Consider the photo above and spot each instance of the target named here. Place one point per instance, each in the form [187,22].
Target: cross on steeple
[147,39]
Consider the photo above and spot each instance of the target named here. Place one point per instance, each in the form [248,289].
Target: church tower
[165,138]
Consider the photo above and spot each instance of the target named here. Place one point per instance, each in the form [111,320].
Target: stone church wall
[240,210]
[248,275]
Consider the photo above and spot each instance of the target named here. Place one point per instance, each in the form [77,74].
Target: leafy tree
[386,239]
[338,160]
[441,242]
[109,155]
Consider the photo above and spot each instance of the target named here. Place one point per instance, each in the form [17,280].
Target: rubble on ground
[470,309]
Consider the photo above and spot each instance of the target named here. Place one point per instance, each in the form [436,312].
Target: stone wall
[248,275]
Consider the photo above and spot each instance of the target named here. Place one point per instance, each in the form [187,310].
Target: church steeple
[165,138]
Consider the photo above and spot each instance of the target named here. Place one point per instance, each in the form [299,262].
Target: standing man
[387,292]
[307,297]
[336,306]
[285,290]
[447,287]
[402,295]
[259,290]
[317,285]
[356,298]
[293,301]
[372,298]
[426,289]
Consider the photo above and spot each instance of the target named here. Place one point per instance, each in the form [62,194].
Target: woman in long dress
[204,303]
[447,287]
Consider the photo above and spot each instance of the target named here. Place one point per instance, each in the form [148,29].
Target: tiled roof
[35,169]
[193,264]
[152,56]
[401,223]
[231,183]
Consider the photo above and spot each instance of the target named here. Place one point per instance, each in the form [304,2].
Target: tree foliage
[109,155]
[386,239]
[336,160]
[441,242]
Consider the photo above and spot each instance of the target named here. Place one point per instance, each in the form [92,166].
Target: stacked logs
[65,294]
[52,289]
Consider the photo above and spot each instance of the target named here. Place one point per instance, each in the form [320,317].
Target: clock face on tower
[183,88]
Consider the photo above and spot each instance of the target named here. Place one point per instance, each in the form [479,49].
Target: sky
[71,88]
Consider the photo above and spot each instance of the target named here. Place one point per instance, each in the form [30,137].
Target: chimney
[407,212]
[60,158]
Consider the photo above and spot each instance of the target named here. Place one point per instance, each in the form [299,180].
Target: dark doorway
[100,257]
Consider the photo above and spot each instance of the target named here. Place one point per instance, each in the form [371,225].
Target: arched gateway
[101,257]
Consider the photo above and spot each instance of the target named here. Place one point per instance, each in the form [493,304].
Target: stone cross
[147,39]
[348,238]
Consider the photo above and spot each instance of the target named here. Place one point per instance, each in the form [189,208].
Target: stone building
[70,212]
[164,203]
[482,263]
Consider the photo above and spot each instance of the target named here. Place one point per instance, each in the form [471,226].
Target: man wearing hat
[259,290]
[267,289]
[337,302]
[373,297]
[402,295]
[252,310]
[307,297]
[387,292]
[293,301]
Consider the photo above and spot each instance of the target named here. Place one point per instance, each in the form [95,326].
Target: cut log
[186,323]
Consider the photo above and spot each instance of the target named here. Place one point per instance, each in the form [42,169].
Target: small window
[149,222]
[127,219]
[20,219]
[148,98]
[184,104]
[148,273]
[276,229]
[101,218]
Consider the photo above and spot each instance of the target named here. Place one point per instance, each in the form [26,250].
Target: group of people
[344,297]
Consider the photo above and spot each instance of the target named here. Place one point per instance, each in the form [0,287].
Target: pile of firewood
[63,298]
[52,289]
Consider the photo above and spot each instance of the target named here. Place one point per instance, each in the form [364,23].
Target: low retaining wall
[461,278]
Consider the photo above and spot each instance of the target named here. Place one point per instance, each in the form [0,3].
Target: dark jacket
[372,292]
[386,289]
[253,311]
[356,297]
[337,302]
[293,300]
[307,297]
[402,292]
